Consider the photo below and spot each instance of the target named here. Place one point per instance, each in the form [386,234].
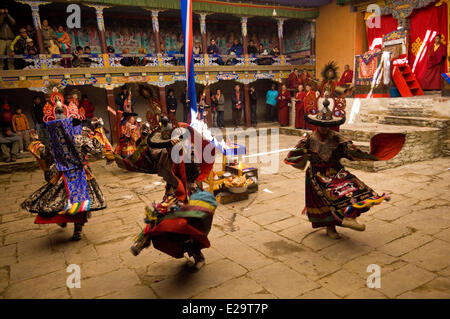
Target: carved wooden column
[247,110]
[244,35]
[112,118]
[162,99]
[208,101]
[313,41]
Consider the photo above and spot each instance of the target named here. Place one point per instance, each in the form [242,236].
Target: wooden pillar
[112,118]
[162,99]
[155,24]
[247,106]
[203,32]
[37,23]
[244,35]
[208,101]
[101,27]
[280,22]
[313,41]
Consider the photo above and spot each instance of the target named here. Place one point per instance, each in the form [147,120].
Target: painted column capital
[280,22]
[34,5]
[155,22]
[203,22]
[99,14]
[244,26]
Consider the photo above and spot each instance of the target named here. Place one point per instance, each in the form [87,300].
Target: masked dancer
[334,196]
[71,191]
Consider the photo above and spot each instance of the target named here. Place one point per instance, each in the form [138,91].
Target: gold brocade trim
[321,210]
[88,173]
[56,178]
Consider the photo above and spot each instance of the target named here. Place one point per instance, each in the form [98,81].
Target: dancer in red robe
[334,196]
[299,108]
[431,79]
[284,99]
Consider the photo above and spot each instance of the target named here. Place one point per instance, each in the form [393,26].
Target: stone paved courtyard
[261,248]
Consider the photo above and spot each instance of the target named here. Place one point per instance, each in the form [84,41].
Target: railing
[43,61]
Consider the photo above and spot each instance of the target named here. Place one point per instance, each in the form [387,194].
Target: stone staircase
[427,130]
[24,162]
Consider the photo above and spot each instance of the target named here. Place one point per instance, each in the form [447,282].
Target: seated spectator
[213,48]
[236,48]
[163,48]
[21,127]
[31,32]
[126,61]
[275,52]
[50,38]
[64,41]
[18,47]
[110,49]
[262,60]
[31,48]
[261,50]
[197,48]
[64,44]
[141,60]
[76,61]
[86,62]
[251,49]
[9,145]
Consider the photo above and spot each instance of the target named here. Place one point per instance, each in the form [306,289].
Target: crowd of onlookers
[15,128]
[57,41]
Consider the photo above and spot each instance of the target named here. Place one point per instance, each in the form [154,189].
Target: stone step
[446,148]
[409,112]
[363,146]
[24,162]
[408,121]
[422,143]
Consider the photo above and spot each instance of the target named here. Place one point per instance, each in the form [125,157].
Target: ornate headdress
[57,101]
[322,115]
[330,66]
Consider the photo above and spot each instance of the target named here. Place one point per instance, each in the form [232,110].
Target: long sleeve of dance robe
[332,192]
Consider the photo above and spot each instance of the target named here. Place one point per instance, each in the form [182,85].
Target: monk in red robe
[309,91]
[300,108]
[305,77]
[431,79]
[294,80]
[284,97]
[347,76]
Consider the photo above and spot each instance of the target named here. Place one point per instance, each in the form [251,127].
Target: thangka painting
[297,37]
[138,33]
[365,67]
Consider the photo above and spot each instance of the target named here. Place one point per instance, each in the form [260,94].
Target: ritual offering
[238,184]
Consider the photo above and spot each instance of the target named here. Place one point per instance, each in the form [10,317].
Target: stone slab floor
[261,248]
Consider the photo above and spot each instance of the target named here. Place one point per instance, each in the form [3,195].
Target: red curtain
[430,19]
[387,24]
